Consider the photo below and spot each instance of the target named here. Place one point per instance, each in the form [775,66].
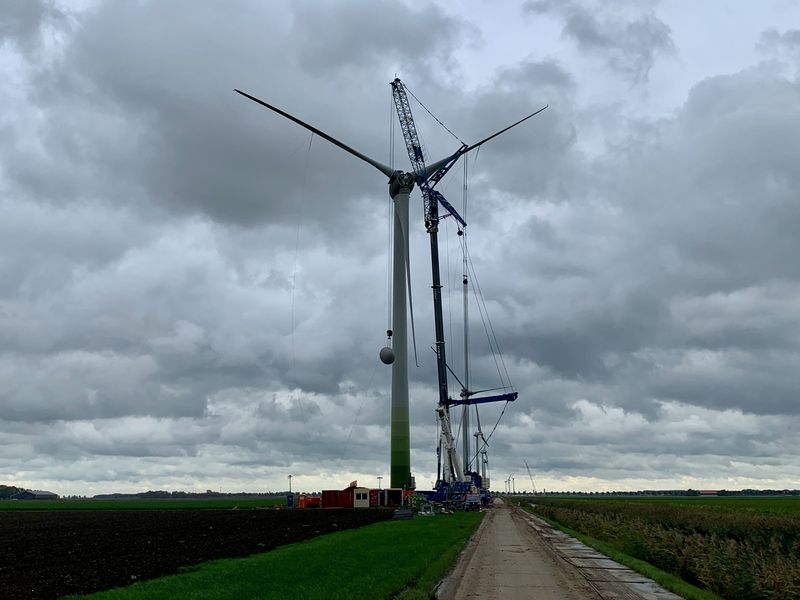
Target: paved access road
[516,556]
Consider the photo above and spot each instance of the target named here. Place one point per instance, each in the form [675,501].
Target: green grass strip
[391,559]
[667,580]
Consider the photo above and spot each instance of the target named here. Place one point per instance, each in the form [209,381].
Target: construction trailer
[361,497]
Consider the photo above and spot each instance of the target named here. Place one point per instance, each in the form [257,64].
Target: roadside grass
[149,504]
[670,582]
[391,559]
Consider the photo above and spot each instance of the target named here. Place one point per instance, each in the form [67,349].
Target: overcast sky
[193,291]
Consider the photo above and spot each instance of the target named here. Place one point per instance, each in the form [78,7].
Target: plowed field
[48,554]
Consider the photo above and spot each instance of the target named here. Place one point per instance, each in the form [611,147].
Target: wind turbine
[400,185]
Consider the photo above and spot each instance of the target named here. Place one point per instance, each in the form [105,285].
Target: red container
[374,500]
[346,498]
[330,498]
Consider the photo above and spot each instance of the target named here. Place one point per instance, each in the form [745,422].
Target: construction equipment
[400,186]
[453,483]
[533,485]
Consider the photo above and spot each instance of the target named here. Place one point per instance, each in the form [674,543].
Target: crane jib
[509,397]
[448,207]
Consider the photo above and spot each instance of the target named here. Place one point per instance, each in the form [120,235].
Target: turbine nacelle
[400,181]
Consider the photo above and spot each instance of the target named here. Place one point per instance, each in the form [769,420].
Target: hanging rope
[294,272]
[364,399]
[449,292]
[490,333]
[297,246]
[491,433]
[390,222]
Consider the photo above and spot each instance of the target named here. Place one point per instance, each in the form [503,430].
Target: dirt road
[507,559]
[515,555]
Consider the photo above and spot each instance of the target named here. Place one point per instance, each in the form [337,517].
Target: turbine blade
[432,169]
[380,166]
[494,135]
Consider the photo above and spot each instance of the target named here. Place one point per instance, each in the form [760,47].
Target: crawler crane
[454,483]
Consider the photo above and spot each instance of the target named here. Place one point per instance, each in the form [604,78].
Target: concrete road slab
[515,555]
[596,563]
[628,575]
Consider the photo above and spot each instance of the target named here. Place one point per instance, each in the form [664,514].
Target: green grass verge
[671,582]
[154,504]
[391,559]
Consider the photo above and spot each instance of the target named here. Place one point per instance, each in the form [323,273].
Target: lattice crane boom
[533,485]
[427,176]
[416,155]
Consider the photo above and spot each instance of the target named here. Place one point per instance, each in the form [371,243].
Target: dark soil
[47,554]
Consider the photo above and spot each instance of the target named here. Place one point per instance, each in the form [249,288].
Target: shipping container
[330,498]
[346,498]
[308,501]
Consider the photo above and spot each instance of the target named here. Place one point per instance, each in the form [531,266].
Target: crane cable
[303,410]
[491,433]
[432,115]
[390,225]
[479,297]
[492,337]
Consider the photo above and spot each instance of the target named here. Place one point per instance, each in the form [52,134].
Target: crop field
[48,554]
[393,559]
[140,504]
[734,547]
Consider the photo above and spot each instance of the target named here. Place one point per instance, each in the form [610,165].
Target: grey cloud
[409,39]
[21,20]
[773,40]
[127,84]
[627,36]
[188,294]
[701,264]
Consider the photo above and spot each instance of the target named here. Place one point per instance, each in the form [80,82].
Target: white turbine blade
[410,299]
[433,168]
[494,135]
[388,171]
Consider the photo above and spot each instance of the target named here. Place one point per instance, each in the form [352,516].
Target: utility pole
[379,481]
[290,484]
